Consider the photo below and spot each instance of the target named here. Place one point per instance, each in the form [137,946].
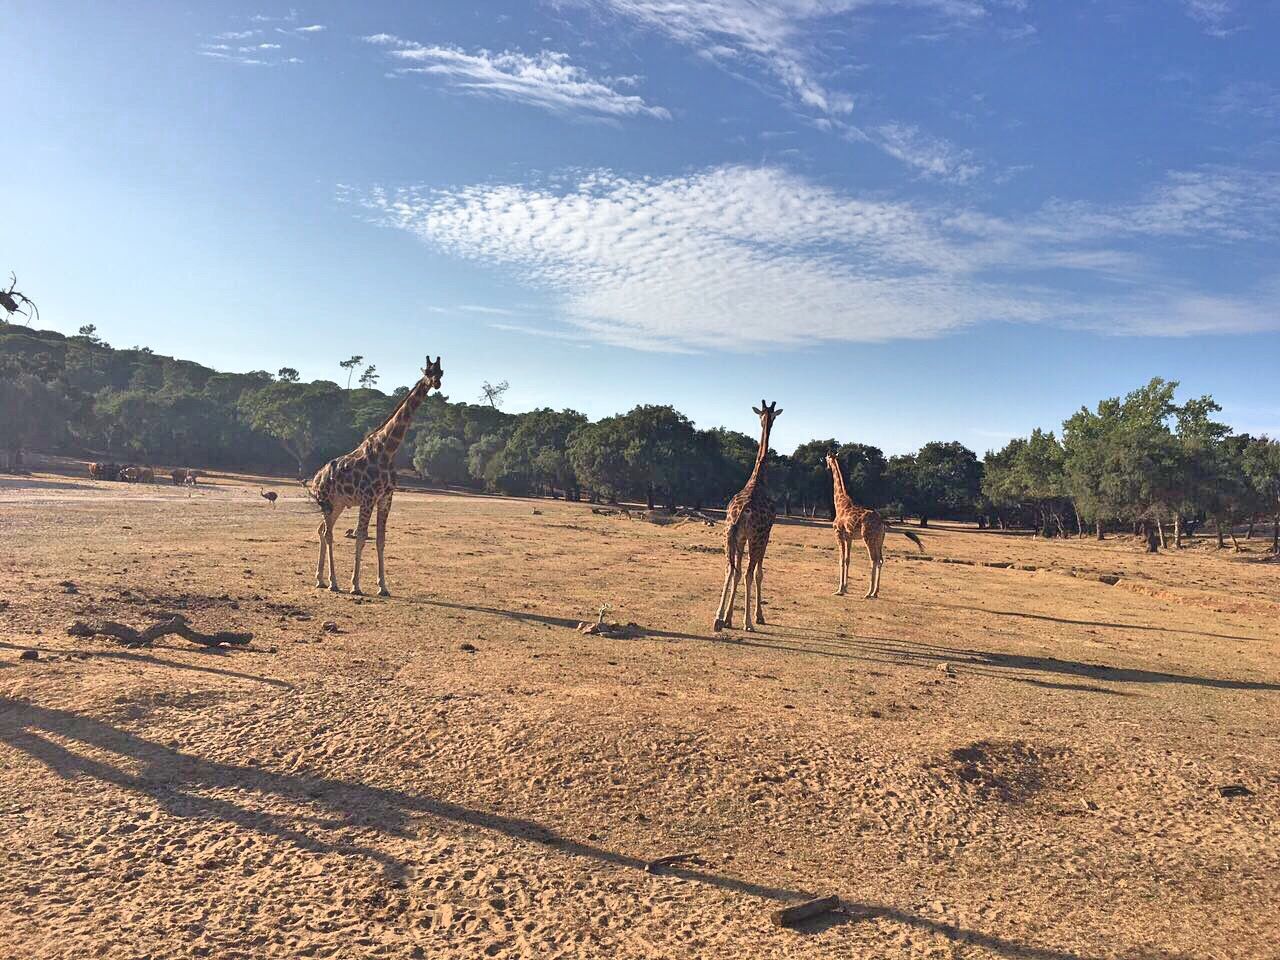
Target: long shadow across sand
[848,646]
[172,779]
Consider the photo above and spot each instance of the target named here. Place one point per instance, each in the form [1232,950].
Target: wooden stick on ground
[176,624]
[786,916]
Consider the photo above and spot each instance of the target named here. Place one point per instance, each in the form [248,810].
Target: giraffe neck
[757,473]
[842,495]
[391,434]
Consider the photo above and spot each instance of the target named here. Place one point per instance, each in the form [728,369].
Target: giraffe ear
[777,413]
[757,411]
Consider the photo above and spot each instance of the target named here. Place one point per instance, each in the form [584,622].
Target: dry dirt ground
[458,772]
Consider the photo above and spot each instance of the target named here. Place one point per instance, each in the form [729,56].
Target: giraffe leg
[844,564]
[733,561]
[747,625]
[330,519]
[384,510]
[759,589]
[362,534]
[324,527]
[875,553]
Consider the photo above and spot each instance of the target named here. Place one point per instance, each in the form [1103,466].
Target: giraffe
[852,522]
[749,519]
[366,478]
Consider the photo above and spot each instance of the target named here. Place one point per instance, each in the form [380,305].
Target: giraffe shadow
[181,782]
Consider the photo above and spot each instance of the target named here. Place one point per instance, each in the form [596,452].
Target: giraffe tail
[909,535]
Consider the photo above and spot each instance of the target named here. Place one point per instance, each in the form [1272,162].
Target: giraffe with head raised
[749,521]
[366,478]
[852,523]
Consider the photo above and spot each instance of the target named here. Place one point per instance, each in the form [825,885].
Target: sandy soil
[385,791]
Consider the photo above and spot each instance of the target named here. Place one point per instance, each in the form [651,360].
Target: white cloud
[785,39]
[237,35]
[313,28]
[547,80]
[744,258]
[1212,15]
[931,157]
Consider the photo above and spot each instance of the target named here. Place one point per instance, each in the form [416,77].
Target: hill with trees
[1140,459]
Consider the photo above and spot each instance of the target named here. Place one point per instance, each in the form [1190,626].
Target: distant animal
[853,522]
[129,474]
[146,475]
[366,478]
[748,521]
[104,471]
[269,496]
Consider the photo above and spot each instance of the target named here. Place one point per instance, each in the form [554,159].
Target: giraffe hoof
[333,588]
[321,585]
[760,620]
[357,592]
[384,592]
[718,625]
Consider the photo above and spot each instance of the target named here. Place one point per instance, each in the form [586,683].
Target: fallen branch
[174,624]
[786,916]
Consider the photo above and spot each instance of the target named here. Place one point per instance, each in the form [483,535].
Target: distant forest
[1143,460]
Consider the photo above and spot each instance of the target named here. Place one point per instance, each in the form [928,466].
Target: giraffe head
[767,413]
[833,463]
[433,373]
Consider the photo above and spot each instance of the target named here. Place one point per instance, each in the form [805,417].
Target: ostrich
[269,496]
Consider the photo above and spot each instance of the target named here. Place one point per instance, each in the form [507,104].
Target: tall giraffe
[852,522]
[366,478]
[749,519]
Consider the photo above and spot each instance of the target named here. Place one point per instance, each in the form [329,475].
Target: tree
[946,480]
[864,473]
[596,453]
[90,332]
[538,449]
[485,460]
[1262,467]
[288,374]
[369,379]
[350,365]
[302,417]
[491,393]
[810,478]
[443,459]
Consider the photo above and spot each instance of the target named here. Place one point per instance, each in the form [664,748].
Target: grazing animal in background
[748,521]
[129,473]
[269,496]
[366,478]
[146,475]
[853,522]
[104,471]
[179,475]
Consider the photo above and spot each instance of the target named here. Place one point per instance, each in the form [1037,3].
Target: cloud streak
[546,80]
[744,258]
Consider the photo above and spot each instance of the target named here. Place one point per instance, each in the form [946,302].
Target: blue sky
[905,221]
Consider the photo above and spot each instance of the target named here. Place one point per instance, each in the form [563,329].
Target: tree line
[1138,459]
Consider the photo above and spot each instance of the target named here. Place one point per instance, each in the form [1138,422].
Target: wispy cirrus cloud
[546,80]
[249,48]
[783,39]
[1214,16]
[931,157]
[742,258]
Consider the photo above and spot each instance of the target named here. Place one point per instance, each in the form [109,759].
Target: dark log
[786,916]
[174,624]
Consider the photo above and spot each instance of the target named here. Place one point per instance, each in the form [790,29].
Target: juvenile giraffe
[749,519]
[366,478]
[852,522]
